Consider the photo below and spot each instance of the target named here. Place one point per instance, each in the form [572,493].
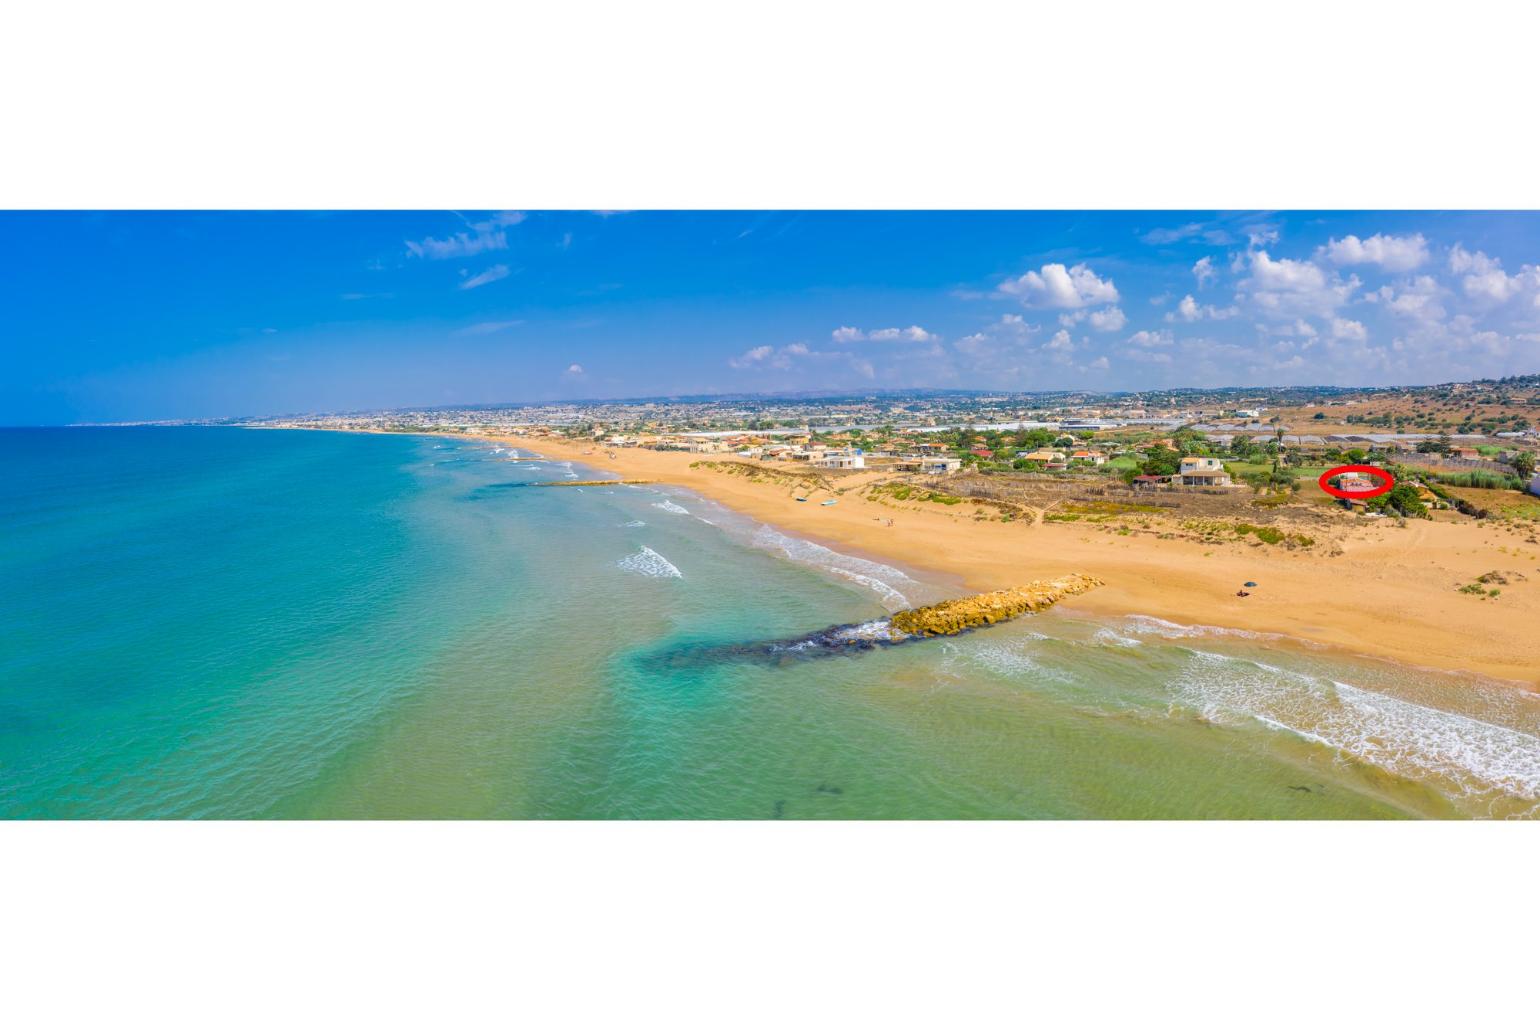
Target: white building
[1197,471]
[851,459]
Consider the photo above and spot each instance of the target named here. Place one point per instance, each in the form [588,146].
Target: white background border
[962,105]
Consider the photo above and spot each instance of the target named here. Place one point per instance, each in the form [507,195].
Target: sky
[124,316]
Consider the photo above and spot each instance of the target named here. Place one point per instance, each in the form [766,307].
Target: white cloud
[1208,233]
[497,220]
[575,369]
[751,357]
[1189,310]
[1146,338]
[1347,329]
[1485,280]
[1419,299]
[491,275]
[461,244]
[1061,342]
[1055,286]
[1392,253]
[1203,271]
[1101,363]
[914,334]
[1287,287]
[1107,320]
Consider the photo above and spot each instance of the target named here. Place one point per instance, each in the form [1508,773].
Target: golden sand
[1391,593]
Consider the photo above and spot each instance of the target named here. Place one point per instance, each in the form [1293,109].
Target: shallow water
[228,623]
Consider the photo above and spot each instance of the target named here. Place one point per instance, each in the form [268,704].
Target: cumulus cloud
[575,369]
[1148,338]
[914,334]
[1286,287]
[1392,253]
[1484,278]
[491,275]
[1420,299]
[1189,310]
[1106,320]
[1203,270]
[1347,329]
[751,357]
[1101,363]
[1055,286]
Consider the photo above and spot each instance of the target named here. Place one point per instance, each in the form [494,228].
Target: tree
[1161,461]
[1524,464]
[1403,500]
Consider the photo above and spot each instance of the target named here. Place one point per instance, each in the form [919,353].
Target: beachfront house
[1356,482]
[944,466]
[843,459]
[1200,471]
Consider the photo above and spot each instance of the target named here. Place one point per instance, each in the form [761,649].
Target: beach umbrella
[1249,583]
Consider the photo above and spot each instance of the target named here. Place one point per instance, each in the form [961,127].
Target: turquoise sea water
[221,623]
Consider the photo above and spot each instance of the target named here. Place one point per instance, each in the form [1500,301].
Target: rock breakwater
[948,618]
[951,617]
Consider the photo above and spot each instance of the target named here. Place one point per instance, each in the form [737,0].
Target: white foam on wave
[650,563]
[875,576]
[1012,661]
[1106,635]
[876,629]
[1150,625]
[1470,755]
[633,524]
[671,506]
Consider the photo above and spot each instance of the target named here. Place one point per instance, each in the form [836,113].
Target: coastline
[1392,596]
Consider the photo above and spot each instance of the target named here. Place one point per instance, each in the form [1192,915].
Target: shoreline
[1376,601]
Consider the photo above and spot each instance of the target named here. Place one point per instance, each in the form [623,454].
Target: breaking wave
[1150,625]
[1473,757]
[671,506]
[878,578]
[650,563]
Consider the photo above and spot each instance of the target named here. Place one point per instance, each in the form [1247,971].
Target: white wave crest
[650,563]
[1469,755]
[633,524]
[1150,625]
[874,576]
[671,506]
[1006,660]
[1110,636]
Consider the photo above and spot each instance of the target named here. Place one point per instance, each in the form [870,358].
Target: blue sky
[143,315]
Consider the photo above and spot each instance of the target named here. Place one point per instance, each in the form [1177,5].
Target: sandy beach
[1386,591]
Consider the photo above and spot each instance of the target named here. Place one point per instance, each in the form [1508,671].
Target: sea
[227,623]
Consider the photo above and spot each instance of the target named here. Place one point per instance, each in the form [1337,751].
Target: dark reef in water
[949,618]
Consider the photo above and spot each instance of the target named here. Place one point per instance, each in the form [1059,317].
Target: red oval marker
[1378,473]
